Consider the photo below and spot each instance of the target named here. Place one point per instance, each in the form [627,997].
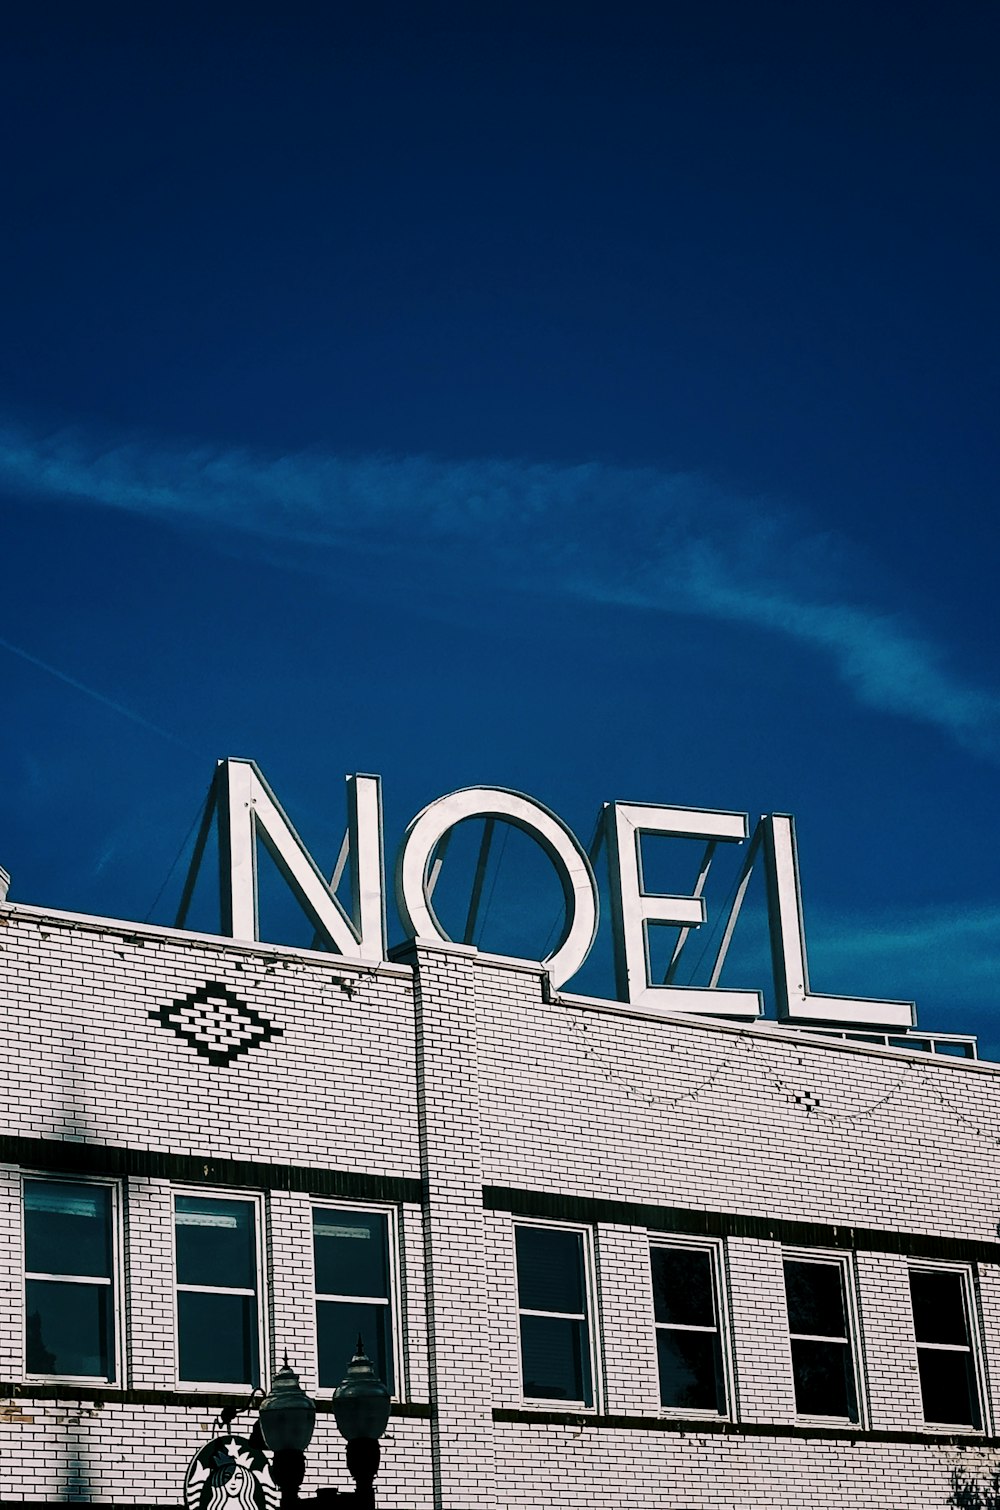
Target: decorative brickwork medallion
[229,1474]
[215,1022]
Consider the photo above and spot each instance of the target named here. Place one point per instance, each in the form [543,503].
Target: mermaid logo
[229,1474]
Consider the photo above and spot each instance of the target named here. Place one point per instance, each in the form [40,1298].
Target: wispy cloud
[925,942]
[90,692]
[948,956]
[667,543]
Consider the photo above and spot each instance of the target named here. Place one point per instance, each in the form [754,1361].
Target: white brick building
[820,1218]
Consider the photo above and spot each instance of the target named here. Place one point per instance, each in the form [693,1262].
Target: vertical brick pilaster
[149,1279]
[414,1298]
[11,1276]
[889,1347]
[291,1287]
[459,1323]
[626,1318]
[988,1297]
[763,1357]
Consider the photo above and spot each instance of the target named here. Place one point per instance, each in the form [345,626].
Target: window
[945,1358]
[354,1256]
[819,1327]
[688,1333]
[218,1317]
[69,1288]
[552,1285]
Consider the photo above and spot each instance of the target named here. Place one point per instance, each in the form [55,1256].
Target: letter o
[559,843]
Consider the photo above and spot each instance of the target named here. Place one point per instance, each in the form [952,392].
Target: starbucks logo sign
[229,1474]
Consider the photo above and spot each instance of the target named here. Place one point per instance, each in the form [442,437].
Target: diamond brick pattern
[216,1022]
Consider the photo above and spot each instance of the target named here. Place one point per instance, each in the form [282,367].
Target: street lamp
[287,1417]
[361,1410]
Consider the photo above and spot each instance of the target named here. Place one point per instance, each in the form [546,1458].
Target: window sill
[559,1407]
[829,1429]
[834,1423]
[677,1413]
[104,1393]
[951,1429]
[324,1398]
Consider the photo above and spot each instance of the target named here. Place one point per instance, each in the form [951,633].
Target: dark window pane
[824,1381]
[948,1388]
[67,1228]
[550,1270]
[815,1298]
[217,1338]
[69,1329]
[338,1326]
[690,1370]
[351,1249]
[938,1307]
[215,1243]
[682,1286]
[555,1359]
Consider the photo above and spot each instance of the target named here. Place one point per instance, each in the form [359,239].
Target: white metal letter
[634,908]
[248,809]
[788,945]
[560,845]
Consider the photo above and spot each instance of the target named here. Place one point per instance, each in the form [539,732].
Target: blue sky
[595,402]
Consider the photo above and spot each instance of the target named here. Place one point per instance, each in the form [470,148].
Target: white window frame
[395,1297]
[590,1317]
[845,1262]
[714,1248]
[248,1197]
[972,1322]
[115,1282]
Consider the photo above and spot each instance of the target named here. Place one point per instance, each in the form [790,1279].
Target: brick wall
[449,1087]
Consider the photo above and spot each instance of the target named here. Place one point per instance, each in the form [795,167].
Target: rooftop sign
[246,810]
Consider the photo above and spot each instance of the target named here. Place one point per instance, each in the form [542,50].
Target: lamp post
[361,1410]
[287,1417]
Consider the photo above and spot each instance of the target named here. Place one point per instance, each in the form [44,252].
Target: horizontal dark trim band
[105,1394]
[578,1208]
[692,1425]
[63,1157]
